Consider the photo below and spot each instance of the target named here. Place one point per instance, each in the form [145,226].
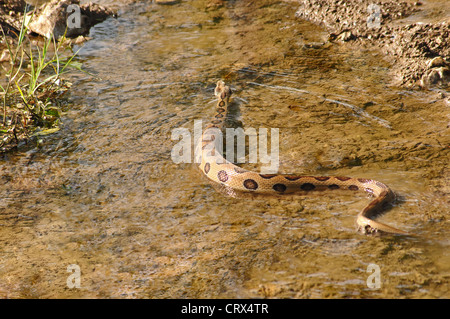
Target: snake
[235,179]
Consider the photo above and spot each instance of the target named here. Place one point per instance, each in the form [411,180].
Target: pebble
[435,76]
[345,36]
[436,62]
[4,56]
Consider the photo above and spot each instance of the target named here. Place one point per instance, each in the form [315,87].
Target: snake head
[222,91]
[219,87]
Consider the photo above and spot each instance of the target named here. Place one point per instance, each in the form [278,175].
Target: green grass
[33,95]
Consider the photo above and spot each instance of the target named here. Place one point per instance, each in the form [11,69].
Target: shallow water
[104,194]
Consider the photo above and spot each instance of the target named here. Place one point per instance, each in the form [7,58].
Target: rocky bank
[419,52]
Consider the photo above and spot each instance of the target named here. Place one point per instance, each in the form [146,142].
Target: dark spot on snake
[222,103]
[216,121]
[307,186]
[333,186]
[219,116]
[250,184]
[363,180]
[207,168]
[222,176]
[220,110]
[279,187]
[267,176]
[292,177]
[353,188]
[343,178]
[322,178]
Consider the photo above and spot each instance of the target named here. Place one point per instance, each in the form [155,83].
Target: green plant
[33,94]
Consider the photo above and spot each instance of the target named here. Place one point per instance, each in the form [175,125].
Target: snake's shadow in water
[234,113]
[232,120]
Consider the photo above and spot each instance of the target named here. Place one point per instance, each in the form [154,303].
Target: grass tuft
[32,97]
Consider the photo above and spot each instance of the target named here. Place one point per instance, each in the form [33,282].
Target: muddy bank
[419,52]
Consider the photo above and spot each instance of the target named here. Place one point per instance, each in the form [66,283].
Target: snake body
[236,179]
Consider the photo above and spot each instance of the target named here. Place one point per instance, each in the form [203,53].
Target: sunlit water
[103,194]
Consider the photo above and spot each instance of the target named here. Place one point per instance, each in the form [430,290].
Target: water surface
[105,195]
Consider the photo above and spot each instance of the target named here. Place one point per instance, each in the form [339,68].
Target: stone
[436,62]
[436,76]
[345,36]
[67,17]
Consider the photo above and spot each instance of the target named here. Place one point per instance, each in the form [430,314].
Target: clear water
[103,193]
